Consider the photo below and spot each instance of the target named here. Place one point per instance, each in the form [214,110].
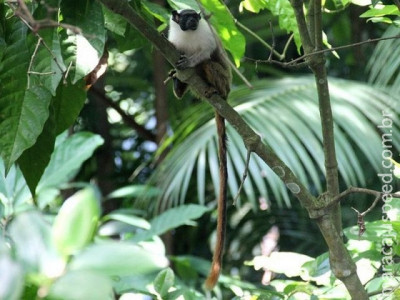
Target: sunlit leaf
[76,222]
[172,218]
[23,108]
[118,259]
[164,281]
[86,49]
[86,285]
[67,159]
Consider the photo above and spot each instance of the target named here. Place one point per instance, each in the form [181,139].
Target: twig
[245,172]
[353,190]
[128,120]
[30,22]
[264,43]
[31,62]
[295,62]
[273,40]
[238,73]
[342,47]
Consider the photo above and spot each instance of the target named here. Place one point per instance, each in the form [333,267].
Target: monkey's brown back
[217,73]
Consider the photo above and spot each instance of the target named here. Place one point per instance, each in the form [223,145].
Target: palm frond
[285,114]
[384,64]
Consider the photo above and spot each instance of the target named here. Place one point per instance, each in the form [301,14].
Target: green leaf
[172,218]
[381,11]
[34,160]
[86,49]
[163,282]
[232,39]
[11,279]
[76,222]
[23,112]
[114,22]
[133,191]
[31,236]
[14,193]
[118,259]
[63,113]
[281,9]
[68,103]
[375,231]
[76,285]
[67,159]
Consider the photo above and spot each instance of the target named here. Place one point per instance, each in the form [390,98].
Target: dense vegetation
[108,185]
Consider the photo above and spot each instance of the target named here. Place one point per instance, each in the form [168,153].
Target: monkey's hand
[183,62]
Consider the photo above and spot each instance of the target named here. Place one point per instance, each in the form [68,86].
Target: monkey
[193,37]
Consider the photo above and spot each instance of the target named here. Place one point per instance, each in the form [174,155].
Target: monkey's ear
[199,15]
[175,16]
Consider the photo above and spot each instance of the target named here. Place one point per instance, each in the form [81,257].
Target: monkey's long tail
[221,225]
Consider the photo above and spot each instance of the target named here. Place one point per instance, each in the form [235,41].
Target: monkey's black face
[188,19]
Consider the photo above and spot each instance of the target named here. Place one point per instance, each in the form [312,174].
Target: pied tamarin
[200,49]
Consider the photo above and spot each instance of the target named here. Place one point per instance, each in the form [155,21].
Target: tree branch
[295,63]
[142,131]
[329,223]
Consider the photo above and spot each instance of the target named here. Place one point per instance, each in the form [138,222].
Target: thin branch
[258,38]
[273,40]
[295,63]
[31,62]
[357,190]
[24,15]
[245,172]
[341,47]
[128,120]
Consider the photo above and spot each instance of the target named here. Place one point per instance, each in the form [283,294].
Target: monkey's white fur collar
[199,43]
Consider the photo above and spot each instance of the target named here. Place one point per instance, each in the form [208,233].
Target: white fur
[197,45]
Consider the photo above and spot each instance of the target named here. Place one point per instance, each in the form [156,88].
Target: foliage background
[152,153]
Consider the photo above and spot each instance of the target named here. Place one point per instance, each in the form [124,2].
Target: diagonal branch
[128,120]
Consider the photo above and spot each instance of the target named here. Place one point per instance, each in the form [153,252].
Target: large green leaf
[23,108]
[172,218]
[285,113]
[118,259]
[11,274]
[76,222]
[14,193]
[223,22]
[82,285]
[63,112]
[67,159]
[83,50]
[31,241]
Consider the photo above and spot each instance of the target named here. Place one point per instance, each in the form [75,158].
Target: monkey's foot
[211,91]
[182,63]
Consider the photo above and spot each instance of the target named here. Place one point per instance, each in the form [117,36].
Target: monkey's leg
[180,87]
[218,77]
[221,225]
